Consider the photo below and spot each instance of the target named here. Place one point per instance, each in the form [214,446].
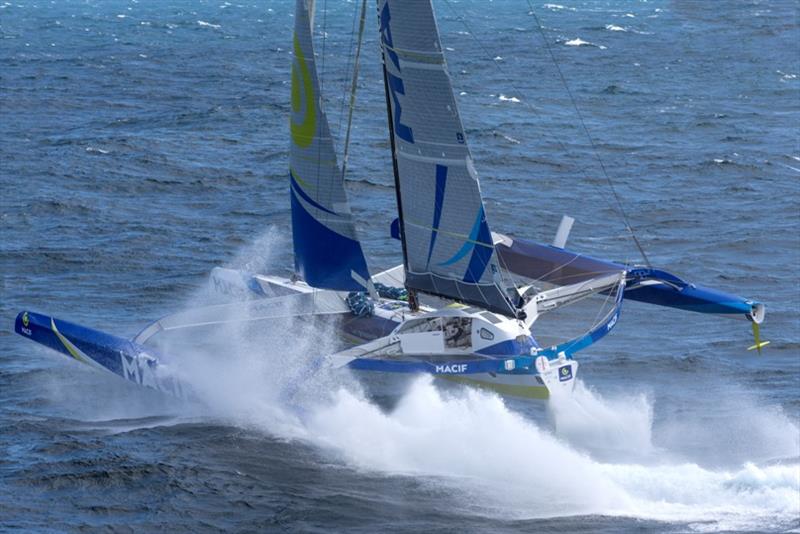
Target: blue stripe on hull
[457,367]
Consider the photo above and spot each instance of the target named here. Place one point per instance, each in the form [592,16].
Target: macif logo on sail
[395,83]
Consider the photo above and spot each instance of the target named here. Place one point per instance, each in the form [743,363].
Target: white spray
[601,459]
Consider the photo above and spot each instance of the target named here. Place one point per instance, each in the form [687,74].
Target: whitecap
[795,169]
[557,7]
[508,138]
[504,98]
[613,28]
[580,42]
[96,150]
[208,24]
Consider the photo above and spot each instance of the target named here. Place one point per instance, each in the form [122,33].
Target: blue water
[144,143]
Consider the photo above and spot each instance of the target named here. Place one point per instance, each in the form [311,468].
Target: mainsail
[326,250]
[447,244]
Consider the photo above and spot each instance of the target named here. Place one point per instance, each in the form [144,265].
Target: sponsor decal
[25,322]
[612,322]
[141,370]
[565,373]
[226,287]
[451,369]
[395,83]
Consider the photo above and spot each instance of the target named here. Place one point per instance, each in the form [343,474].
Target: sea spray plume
[729,426]
[263,374]
[260,256]
[473,443]
[494,462]
[260,373]
[490,460]
[607,427]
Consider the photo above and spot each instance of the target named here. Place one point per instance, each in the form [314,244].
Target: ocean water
[144,143]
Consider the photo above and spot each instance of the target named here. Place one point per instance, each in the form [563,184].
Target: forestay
[327,252]
[447,243]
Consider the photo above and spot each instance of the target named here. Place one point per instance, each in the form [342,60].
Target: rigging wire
[589,137]
[324,40]
[354,87]
[347,69]
[562,145]
[321,77]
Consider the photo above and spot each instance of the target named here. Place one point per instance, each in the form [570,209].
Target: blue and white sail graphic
[448,245]
[326,250]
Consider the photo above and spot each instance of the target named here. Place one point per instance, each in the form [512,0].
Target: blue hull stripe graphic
[458,367]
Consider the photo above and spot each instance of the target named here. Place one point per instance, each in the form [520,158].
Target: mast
[413,303]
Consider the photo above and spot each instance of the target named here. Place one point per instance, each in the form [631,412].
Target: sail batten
[326,249]
[447,242]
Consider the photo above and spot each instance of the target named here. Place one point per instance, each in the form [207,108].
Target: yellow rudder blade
[757,338]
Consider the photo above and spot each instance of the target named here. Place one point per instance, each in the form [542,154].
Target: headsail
[447,243]
[326,250]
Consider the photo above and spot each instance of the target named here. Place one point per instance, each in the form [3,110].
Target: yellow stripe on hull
[512,390]
[72,349]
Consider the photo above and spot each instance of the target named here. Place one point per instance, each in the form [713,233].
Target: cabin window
[458,332]
[486,334]
[492,318]
[416,326]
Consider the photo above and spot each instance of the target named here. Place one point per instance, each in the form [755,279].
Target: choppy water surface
[142,144]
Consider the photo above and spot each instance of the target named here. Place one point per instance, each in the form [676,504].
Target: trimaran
[464,304]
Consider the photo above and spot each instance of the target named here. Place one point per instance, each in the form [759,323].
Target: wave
[558,7]
[580,42]
[504,98]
